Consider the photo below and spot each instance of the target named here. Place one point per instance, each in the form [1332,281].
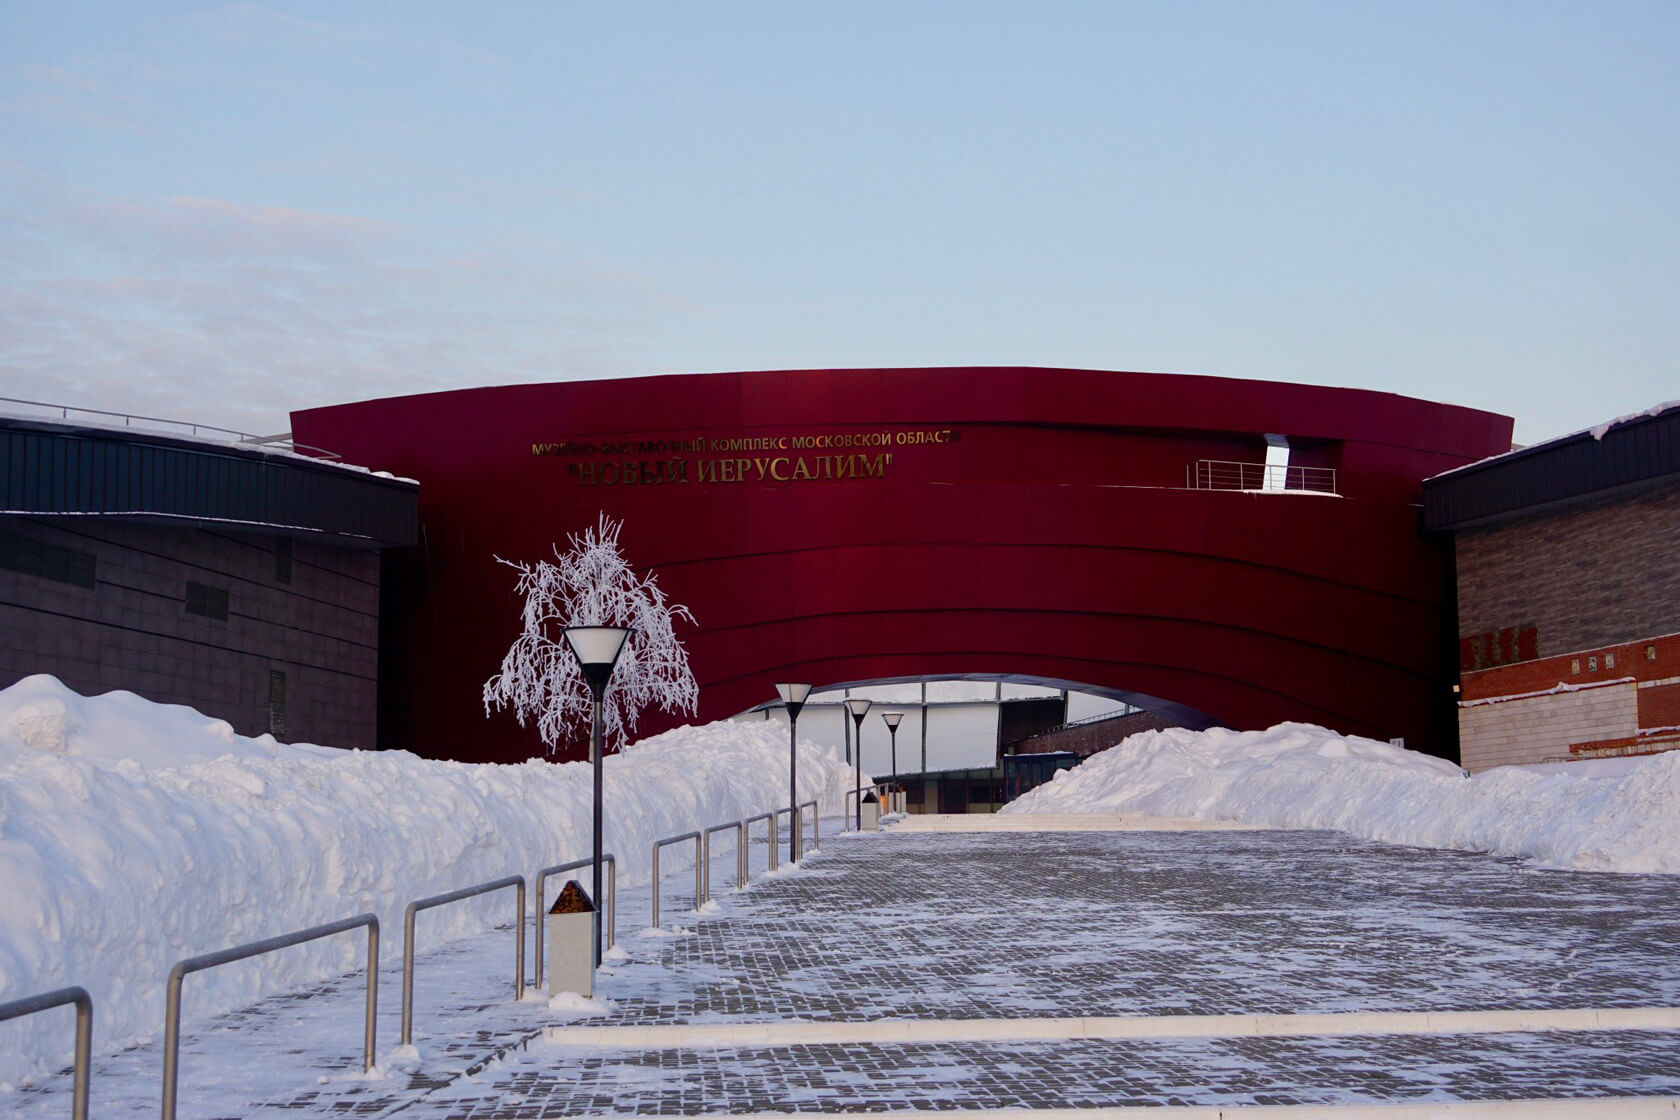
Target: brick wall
[132,628]
[1098,735]
[1542,728]
[1582,578]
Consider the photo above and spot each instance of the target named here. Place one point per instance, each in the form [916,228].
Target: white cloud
[230,314]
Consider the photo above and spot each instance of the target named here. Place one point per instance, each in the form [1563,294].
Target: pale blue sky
[225,211]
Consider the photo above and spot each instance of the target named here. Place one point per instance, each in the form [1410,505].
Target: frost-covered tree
[591,584]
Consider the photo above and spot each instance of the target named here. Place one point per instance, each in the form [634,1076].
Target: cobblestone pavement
[551,1080]
[987,926]
[1157,923]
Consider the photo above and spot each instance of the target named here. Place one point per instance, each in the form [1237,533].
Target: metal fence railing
[769,820]
[177,975]
[706,857]
[440,900]
[699,870]
[172,1001]
[816,823]
[1220,474]
[29,1005]
[852,795]
[611,906]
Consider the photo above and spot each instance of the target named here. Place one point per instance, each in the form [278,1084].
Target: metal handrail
[64,411]
[770,828]
[740,857]
[858,793]
[816,822]
[612,905]
[699,871]
[29,1005]
[439,900]
[172,1000]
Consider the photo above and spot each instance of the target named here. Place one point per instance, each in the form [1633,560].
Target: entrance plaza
[993,963]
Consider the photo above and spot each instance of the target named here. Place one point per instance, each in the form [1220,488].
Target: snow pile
[1295,775]
[134,834]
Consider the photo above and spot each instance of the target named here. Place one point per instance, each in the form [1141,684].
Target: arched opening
[971,742]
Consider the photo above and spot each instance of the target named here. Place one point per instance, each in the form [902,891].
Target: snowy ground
[301,1049]
[133,835]
[1623,815]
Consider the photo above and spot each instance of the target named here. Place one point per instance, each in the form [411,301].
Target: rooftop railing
[1220,474]
[282,442]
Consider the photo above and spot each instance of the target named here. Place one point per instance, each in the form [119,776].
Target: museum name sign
[738,459]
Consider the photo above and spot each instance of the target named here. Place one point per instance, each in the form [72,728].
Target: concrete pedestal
[571,954]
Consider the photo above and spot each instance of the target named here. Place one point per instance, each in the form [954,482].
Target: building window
[276,703]
[48,561]
[211,602]
[283,560]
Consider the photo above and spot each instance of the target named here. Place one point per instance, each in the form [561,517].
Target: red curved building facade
[856,525]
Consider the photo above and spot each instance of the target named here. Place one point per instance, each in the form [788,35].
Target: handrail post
[408,974]
[519,942]
[455,896]
[370,1008]
[46,1001]
[182,968]
[704,856]
[699,877]
[656,886]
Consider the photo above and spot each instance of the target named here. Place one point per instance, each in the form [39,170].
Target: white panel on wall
[1082,705]
[962,736]
[820,725]
[1028,691]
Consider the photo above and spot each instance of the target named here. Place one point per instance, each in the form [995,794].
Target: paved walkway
[1050,927]
[862,974]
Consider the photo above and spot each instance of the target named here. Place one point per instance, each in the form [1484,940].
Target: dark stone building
[240,580]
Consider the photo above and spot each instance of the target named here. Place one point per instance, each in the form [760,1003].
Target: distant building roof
[1621,456]
[59,468]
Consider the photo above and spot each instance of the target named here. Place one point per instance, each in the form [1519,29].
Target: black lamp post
[596,649]
[793,695]
[891,719]
[857,705]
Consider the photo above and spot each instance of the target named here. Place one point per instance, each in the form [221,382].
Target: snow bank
[1623,818]
[134,834]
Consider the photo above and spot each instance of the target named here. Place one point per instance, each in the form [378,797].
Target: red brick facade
[1569,633]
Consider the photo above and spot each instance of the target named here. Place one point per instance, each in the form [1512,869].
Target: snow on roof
[1597,431]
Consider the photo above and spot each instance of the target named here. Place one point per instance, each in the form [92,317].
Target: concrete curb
[1619,1108]
[912,1031]
[1061,822]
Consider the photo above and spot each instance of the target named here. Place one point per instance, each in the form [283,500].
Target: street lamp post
[793,695]
[597,649]
[857,705]
[891,719]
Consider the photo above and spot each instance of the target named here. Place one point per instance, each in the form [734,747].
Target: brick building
[239,580]
[1568,565]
